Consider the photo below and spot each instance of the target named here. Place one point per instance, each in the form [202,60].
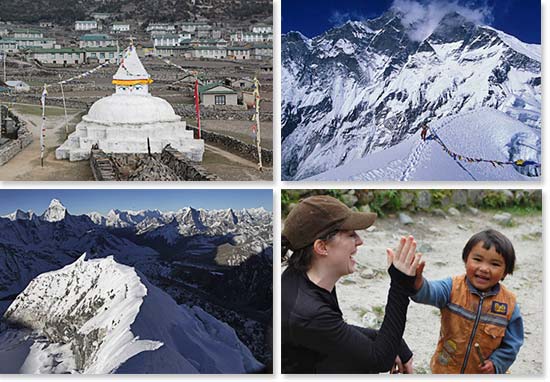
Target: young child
[481,325]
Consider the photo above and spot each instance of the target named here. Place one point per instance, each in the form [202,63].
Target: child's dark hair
[300,259]
[492,238]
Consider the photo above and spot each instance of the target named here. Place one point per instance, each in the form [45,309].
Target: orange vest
[471,317]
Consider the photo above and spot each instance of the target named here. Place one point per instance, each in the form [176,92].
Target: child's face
[484,267]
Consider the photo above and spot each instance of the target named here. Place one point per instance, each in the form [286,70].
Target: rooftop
[95,37]
[209,89]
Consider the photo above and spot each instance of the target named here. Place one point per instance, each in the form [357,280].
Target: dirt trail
[26,165]
[363,294]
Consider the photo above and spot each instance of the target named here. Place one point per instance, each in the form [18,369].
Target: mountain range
[366,86]
[219,260]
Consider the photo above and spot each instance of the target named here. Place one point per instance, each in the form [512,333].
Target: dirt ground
[240,130]
[362,295]
[25,166]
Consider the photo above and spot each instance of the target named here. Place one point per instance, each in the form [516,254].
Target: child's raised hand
[488,367]
[405,259]
[419,278]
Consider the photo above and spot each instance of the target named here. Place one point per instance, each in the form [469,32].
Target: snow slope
[367,86]
[484,133]
[97,316]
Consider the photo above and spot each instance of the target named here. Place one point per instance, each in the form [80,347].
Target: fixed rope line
[455,156]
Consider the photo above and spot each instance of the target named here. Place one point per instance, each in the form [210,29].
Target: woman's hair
[301,259]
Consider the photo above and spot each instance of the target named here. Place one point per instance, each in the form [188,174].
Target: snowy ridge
[116,321]
[484,133]
[366,86]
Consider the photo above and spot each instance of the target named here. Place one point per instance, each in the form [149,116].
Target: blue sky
[520,18]
[82,201]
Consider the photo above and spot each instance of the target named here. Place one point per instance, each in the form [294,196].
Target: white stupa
[122,122]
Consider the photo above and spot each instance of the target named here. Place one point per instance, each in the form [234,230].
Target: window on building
[219,100]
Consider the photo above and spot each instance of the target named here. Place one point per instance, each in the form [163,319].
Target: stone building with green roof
[217,94]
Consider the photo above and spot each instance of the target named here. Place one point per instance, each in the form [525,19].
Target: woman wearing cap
[320,231]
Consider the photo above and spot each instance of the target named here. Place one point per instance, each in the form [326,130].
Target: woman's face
[340,251]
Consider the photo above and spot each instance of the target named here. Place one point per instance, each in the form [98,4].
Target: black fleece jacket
[316,339]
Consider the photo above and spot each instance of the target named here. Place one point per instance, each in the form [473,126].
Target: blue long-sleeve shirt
[438,293]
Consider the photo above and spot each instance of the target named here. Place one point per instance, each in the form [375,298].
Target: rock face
[115,321]
[131,120]
[366,86]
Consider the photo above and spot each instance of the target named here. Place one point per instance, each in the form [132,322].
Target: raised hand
[405,259]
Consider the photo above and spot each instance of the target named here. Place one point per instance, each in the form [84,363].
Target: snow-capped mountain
[29,247]
[189,253]
[483,132]
[250,227]
[98,317]
[21,215]
[55,212]
[33,246]
[366,86]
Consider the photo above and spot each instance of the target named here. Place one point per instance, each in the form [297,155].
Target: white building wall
[87,26]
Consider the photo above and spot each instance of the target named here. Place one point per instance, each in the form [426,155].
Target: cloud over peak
[421,18]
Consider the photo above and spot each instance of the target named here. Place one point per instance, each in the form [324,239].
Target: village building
[238,53]
[120,27]
[100,54]
[166,40]
[95,40]
[250,37]
[85,25]
[18,86]
[4,31]
[101,16]
[8,45]
[243,83]
[208,52]
[59,56]
[131,120]
[262,28]
[173,51]
[216,34]
[262,51]
[35,42]
[203,31]
[46,24]
[218,43]
[27,33]
[161,27]
[191,27]
[217,94]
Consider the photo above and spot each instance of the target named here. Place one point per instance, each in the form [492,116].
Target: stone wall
[184,168]
[235,146]
[52,101]
[170,165]
[226,112]
[15,146]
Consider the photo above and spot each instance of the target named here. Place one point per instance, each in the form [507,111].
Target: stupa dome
[131,120]
[122,108]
